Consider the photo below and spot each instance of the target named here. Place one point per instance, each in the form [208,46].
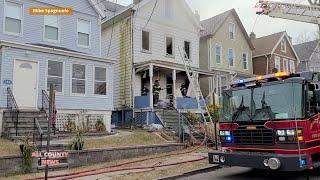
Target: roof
[96,7]
[305,50]
[212,25]
[265,45]
[113,7]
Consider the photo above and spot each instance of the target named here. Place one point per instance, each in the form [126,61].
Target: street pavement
[238,173]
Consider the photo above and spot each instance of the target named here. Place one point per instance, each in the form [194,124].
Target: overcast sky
[245,8]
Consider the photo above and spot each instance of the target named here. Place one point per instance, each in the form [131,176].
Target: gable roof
[265,45]
[305,50]
[112,7]
[212,25]
[96,7]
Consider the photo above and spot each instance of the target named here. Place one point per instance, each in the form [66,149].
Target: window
[187,49]
[169,46]
[292,67]
[231,57]
[283,45]
[218,54]
[232,30]
[245,60]
[145,41]
[277,63]
[285,65]
[83,33]
[100,81]
[78,79]
[55,75]
[13,18]
[51,29]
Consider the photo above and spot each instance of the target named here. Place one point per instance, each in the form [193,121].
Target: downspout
[133,68]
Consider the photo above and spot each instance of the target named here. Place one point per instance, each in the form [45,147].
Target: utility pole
[51,100]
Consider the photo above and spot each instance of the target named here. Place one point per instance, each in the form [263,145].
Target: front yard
[8,147]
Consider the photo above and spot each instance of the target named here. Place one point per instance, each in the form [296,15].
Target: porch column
[174,78]
[151,85]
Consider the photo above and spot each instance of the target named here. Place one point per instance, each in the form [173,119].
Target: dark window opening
[145,40]
[187,49]
[169,45]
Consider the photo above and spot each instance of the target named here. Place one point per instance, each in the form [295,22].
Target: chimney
[197,15]
[136,1]
[252,36]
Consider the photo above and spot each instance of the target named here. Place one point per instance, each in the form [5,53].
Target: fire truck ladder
[194,82]
[290,11]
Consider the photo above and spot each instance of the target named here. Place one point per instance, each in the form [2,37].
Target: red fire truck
[271,122]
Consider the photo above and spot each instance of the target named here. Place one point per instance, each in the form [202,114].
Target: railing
[45,101]
[12,106]
[37,135]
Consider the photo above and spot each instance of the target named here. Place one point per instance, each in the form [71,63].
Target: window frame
[94,80]
[21,5]
[141,41]
[233,29]
[215,52]
[277,59]
[44,31]
[85,79]
[63,75]
[283,43]
[184,48]
[173,47]
[285,64]
[291,62]
[247,60]
[90,32]
[233,57]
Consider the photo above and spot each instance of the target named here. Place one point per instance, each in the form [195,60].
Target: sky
[264,25]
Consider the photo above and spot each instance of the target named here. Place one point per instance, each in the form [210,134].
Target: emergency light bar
[261,78]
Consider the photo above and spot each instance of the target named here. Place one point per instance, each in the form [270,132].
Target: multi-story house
[273,53]
[149,38]
[37,51]
[309,55]
[226,50]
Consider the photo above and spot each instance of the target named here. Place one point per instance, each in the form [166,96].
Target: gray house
[36,51]
[309,54]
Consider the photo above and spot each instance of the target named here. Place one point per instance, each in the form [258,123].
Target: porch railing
[13,108]
[45,102]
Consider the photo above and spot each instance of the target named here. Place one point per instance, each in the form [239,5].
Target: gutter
[54,51]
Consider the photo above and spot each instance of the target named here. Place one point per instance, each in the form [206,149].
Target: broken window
[187,49]
[100,81]
[169,46]
[145,41]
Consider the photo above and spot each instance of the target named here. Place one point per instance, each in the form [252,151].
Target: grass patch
[8,147]
[131,139]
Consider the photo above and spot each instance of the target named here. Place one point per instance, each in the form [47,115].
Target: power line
[154,7]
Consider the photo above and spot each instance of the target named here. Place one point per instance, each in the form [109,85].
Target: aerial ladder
[296,12]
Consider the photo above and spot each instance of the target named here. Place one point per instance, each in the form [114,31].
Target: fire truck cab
[271,122]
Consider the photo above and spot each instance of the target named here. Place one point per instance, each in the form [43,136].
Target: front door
[25,75]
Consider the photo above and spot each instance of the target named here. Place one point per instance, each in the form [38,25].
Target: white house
[148,37]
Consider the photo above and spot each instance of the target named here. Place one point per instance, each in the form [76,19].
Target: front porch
[176,90]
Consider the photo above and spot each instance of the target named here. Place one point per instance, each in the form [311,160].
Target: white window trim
[150,42]
[190,48]
[234,31]
[233,54]
[63,75]
[173,46]
[291,62]
[4,18]
[44,32]
[86,79]
[277,58]
[90,32]
[94,80]
[285,45]
[215,53]
[247,60]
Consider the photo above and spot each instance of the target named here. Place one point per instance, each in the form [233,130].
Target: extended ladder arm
[290,11]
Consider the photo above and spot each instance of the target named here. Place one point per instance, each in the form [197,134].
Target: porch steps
[170,119]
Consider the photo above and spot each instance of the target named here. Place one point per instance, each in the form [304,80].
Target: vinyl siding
[32,30]
[66,100]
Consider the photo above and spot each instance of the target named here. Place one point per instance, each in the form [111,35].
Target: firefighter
[156,92]
[184,90]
